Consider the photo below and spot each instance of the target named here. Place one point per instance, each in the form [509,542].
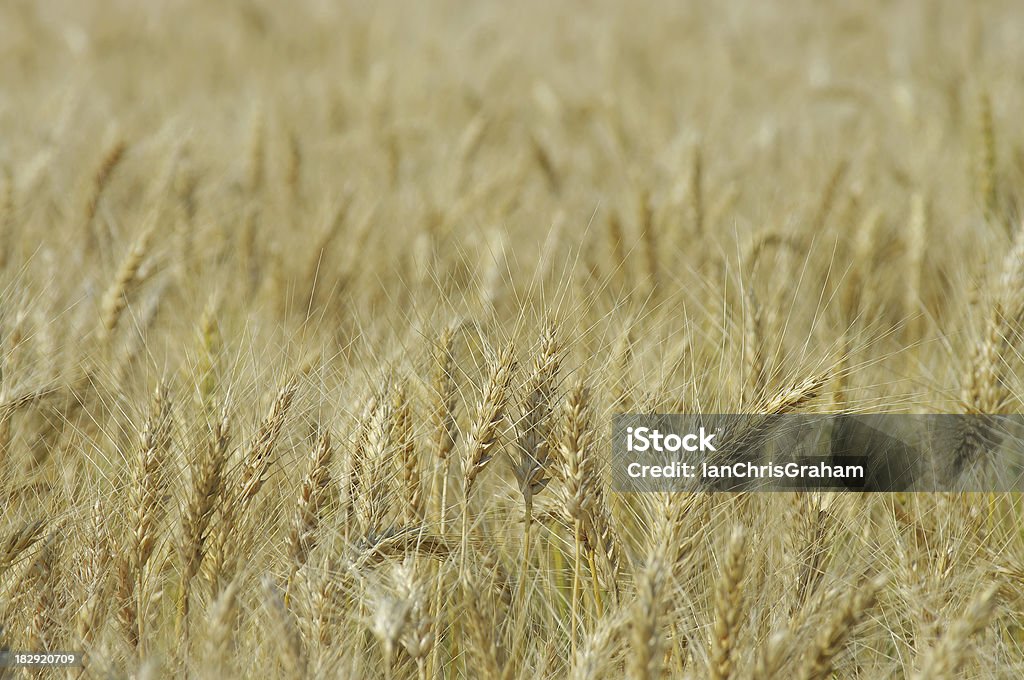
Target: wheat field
[315,315]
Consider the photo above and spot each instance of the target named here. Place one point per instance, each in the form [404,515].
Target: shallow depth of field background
[455,238]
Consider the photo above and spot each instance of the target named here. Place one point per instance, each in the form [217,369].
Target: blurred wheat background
[314,317]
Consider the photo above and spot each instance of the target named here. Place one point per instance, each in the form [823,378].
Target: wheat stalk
[443,415]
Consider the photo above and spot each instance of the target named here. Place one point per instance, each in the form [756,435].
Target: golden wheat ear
[116,297]
[728,609]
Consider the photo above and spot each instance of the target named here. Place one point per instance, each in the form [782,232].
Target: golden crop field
[315,316]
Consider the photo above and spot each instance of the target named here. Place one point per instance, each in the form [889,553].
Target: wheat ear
[8,217]
[531,470]
[647,658]
[584,497]
[483,434]
[220,625]
[946,659]
[728,607]
[115,299]
[649,237]
[258,458]
[986,177]
[577,470]
[985,390]
[206,489]
[286,631]
[312,498]
[697,190]
[18,541]
[408,460]
[146,497]
[916,242]
[820,662]
[100,179]
[256,465]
